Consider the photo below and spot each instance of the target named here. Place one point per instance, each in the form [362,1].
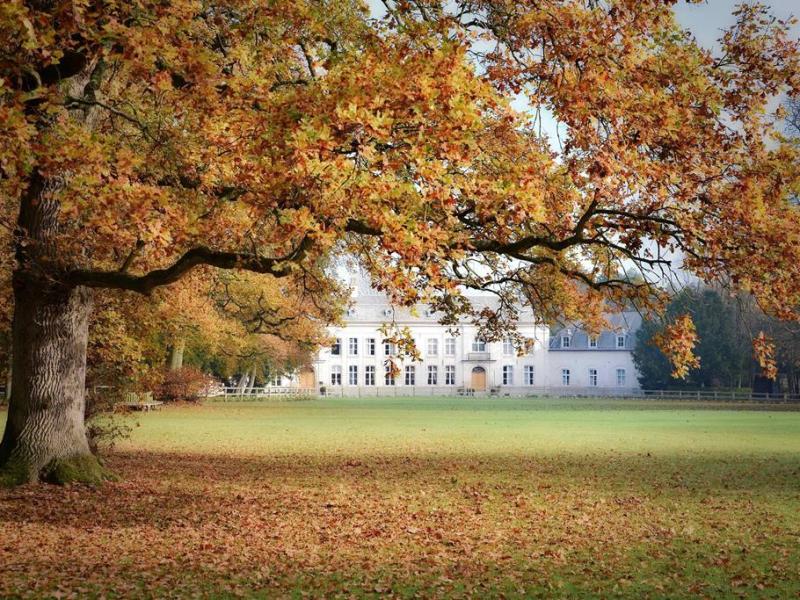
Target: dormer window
[388,312]
[621,341]
[592,341]
[351,312]
[429,312]
[565,341]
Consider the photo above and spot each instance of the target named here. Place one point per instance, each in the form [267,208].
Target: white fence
[253,393]
[234,394]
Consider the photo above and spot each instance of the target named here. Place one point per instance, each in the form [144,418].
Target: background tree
[142,140]
[723,350]
[786,336]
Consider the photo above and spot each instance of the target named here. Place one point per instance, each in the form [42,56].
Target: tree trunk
[244,380]
[45,436]
[176,356]
[9,372]
[251,384]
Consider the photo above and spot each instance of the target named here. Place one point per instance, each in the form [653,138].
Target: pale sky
[707,19]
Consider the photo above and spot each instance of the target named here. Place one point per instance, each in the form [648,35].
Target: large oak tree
[141,139]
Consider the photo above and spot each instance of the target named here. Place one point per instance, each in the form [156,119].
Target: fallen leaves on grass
[181,525]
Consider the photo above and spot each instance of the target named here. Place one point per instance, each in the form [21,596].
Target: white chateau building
[566,361]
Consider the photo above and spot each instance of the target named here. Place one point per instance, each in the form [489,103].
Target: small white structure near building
[567,362]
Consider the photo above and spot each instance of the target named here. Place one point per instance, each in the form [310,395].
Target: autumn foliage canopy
[269,136]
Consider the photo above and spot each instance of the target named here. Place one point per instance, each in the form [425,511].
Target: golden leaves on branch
[677,342]
[764,353]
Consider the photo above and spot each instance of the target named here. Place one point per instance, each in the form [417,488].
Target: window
[336,349]
[508,375]
[592,341]
[528,370]
[433,347]
[371,346]
[352,346]
[429,312]
[450,375]
[352,375]
[508,347]
[387,312]
[351,312]
[433,375]
[369,375]
[478,345]
[621,377]
[450,346]
[389,376]
[593,377]
[564,376]
[389,349]
[411,375]
[621,341]
[336,375]
[565,341]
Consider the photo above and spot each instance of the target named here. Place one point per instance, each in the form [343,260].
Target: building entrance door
[478,379]
[307,379]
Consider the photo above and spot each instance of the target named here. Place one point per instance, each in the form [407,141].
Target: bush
[104,424]
[186,384]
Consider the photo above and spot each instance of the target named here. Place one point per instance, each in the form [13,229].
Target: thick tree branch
[144,284]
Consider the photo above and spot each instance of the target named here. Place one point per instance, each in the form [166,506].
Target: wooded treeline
[725,324]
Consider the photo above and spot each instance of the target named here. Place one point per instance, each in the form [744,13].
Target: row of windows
[410,375]
[389,377]
[566,377]
[389,349]
[527,375]
[566,341]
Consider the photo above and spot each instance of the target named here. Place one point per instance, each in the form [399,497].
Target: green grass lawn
[469,426]
[425,497]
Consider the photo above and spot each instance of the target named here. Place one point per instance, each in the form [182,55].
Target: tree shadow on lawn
[185,521]
[166,487]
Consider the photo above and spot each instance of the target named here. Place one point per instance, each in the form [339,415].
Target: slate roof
[626,322]
[367,309]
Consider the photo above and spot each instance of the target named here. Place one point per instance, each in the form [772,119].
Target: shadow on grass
[159,488]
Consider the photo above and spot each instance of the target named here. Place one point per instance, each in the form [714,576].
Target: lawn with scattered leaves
[424,497]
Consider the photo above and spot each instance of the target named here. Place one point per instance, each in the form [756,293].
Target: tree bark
[45,436]
[244,382]
[176,356]
[9,373]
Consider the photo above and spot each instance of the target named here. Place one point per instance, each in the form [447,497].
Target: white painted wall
[579,362]
[422,334]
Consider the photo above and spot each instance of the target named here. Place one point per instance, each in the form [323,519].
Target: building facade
[581,361]
[457,360]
